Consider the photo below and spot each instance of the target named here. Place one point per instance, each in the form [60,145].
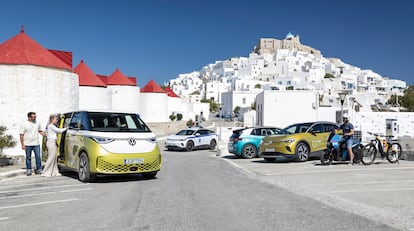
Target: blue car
[245,142]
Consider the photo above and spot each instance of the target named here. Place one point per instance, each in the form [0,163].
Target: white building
[33,79]
[242,99]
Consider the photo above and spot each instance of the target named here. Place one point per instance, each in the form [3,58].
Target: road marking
[351,169]
[240,167]
[46,193]
[3,218]
[371,182]
[40,203]
[38,188]
[372,190]
[23,183]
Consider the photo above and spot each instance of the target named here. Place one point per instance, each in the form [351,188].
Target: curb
[12,173]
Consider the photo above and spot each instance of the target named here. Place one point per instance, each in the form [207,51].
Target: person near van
[51,168]
[29,139]
[348,136]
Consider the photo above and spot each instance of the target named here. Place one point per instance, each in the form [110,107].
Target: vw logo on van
[132,141]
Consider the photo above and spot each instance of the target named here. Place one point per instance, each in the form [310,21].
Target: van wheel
[84,173]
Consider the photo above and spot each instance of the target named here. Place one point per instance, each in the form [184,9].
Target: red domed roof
[23,50]
[152,87]
[118,78]
[171,93]
[87,77]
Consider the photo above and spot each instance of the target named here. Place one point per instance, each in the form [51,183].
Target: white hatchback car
[192,138]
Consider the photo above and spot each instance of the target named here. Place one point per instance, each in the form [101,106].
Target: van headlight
[102,140]
[153,139]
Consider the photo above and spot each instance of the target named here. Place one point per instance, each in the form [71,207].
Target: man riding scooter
[347,136]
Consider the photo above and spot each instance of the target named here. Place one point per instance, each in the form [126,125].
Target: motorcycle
[337,151]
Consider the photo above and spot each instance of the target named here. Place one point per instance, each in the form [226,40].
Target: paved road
[194,191]
[383,192]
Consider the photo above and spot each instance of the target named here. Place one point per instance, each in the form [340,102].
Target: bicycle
[388,147]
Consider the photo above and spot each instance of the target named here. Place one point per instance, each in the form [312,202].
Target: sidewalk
[17,169]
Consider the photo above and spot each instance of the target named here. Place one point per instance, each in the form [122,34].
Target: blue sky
[160,39]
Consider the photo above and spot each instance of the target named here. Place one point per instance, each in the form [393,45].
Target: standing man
[348,136]
[29,138]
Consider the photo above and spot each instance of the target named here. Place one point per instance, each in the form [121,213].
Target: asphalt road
[194,191]
[382,192]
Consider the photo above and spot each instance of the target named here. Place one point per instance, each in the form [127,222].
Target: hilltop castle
[270,45]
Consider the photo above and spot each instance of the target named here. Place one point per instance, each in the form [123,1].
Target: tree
[253,106]
[236,110]
[406,101]
[172,117]
[258,86]
[6,141]
[329,76]
[213,105]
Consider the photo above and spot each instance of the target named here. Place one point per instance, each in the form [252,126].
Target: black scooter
[337,151]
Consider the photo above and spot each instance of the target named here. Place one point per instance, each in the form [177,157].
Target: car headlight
[290,140]
[102,140]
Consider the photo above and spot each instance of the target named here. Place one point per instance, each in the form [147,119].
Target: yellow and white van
[107,143]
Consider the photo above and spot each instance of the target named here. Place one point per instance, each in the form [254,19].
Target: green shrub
[179,117]
[6,141]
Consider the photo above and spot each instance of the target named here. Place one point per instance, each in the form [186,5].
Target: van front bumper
[128,163]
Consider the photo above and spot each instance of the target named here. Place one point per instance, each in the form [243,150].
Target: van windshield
[116,122]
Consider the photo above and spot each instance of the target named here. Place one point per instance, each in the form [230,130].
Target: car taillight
[237,139]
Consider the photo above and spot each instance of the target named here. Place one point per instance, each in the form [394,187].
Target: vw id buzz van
[106,143]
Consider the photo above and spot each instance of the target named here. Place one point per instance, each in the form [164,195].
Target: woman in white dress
[51,168]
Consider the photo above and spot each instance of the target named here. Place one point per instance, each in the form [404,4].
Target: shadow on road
[110,178]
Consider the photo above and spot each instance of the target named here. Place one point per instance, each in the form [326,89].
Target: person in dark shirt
[348,136]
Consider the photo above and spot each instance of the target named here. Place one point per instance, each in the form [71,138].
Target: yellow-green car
[106,143]
[297,142]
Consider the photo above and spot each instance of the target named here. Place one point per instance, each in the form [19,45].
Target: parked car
[298,141]
[245,142]
[108,143]
[192,138]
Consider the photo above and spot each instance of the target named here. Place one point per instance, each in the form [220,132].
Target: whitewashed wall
[124,98]
[153,107]
[25,88]
[375,122]
[175,105]
[95,98]
[282,108]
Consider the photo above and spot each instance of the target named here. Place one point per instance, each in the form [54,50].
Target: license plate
[269,150]
[134,161]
